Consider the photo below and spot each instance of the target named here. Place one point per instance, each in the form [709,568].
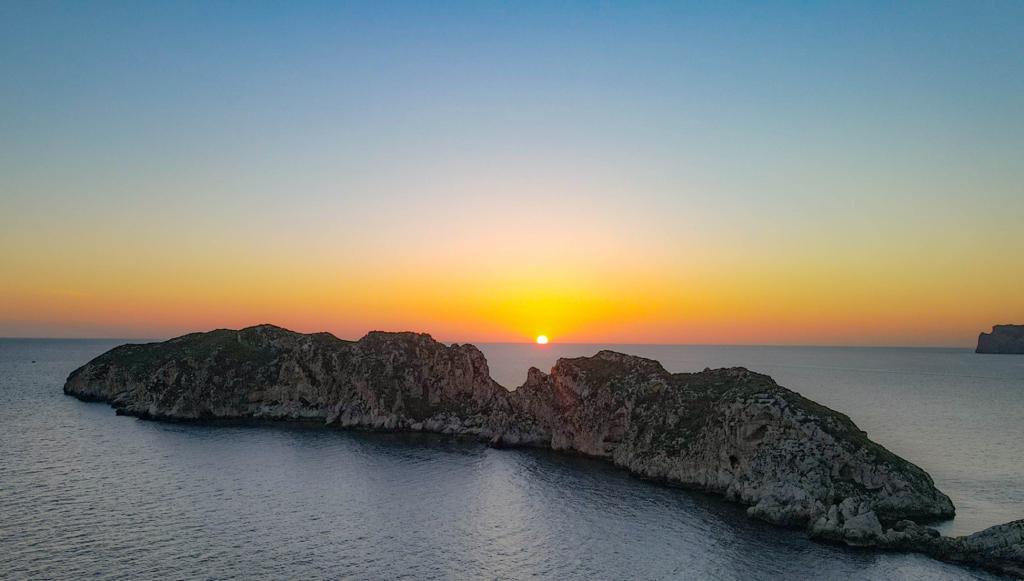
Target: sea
[85,493]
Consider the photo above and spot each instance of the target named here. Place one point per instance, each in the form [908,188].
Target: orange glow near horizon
[620,303]
[599,282]
[588,270]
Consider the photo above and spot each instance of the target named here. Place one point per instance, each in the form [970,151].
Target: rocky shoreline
[733,432]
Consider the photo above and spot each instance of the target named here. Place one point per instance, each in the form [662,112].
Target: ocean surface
[86,493]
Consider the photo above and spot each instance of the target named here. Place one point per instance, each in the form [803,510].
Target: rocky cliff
[731,431]
[390,381]
[1004,340]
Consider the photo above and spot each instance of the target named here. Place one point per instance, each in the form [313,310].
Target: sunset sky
[767,173]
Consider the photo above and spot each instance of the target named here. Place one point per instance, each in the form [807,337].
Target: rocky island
[733,432]
[1003,340]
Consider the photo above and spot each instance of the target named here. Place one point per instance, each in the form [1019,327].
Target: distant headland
[733,432]
[1003,340]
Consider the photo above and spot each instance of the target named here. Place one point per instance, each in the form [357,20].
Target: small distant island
[1003,340]
[733,432]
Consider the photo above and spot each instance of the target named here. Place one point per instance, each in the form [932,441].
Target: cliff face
[385,381]
[730,431]
[1004,340]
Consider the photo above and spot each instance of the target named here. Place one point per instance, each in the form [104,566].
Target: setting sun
[542,339]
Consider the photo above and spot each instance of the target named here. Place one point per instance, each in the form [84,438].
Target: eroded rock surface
[391,381]
[1003,340]
[729,431]
[999,548]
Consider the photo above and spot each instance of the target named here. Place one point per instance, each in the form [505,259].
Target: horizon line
[553,343]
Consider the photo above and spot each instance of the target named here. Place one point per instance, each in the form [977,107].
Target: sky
[634,172]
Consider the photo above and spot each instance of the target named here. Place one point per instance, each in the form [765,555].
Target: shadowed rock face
[385,381]
[1003,340]
[730,431]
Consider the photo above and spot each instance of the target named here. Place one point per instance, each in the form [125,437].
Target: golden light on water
[542,339]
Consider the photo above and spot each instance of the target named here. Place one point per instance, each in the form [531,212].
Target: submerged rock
[1004,340]
[792,461]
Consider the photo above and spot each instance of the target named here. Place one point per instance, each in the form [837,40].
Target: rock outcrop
[392,381]
[1003,340]
[731,431]
[999,548]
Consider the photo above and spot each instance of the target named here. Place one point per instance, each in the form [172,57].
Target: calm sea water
[86,493]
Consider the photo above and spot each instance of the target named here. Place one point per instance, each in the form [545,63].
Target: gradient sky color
[808,173]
